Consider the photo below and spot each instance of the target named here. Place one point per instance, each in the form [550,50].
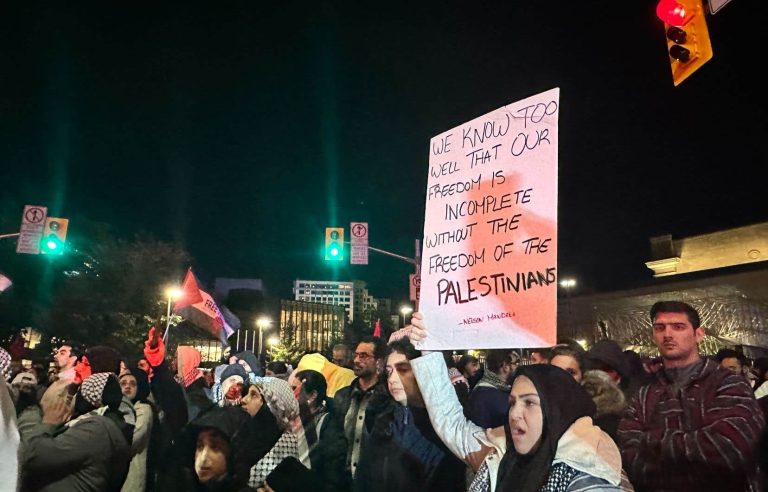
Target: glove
[154,348]
[82,370]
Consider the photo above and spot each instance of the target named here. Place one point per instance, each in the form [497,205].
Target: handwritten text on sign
[488,271]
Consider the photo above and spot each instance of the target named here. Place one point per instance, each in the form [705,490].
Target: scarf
[563,401]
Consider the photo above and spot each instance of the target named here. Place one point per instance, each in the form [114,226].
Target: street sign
[359,242]
[716,5]
[31,230]
[414,282]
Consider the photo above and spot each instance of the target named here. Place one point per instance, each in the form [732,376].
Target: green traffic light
[52,245]
[334,251]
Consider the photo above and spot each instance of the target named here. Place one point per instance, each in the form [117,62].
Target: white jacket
[583,447]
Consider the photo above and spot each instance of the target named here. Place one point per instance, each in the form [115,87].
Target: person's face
[401,381]
[471,368]
[675,337]
[569,365]
[732,364]
[211,455]
[340,357]
[252,401]
[144,365]
[64,358]
[128,386]
[366,364]
[526,420]
[537,358]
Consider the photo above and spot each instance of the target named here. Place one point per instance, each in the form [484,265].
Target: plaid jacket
[701,439]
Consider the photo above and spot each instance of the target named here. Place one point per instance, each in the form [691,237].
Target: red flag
[199,308]
[190,292]
[377,330]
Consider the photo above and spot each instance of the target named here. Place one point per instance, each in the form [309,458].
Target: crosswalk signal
[687,35]
[54,236]
[334,243]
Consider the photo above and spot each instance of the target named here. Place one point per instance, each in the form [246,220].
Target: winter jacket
[405,453]
[136,481]
[583,447]
[92,454]
[488,402]
[350,407]
[327,448]
[608,398]
[702,438]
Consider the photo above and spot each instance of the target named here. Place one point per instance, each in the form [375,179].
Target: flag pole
[167,320]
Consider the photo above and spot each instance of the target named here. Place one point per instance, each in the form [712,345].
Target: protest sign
[489,263]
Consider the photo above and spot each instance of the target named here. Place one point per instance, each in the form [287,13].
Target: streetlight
[569,284]
[273,340]
[172,293]
[405,311]
[262,323]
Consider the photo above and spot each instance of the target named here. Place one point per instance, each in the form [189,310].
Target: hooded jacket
[608,398]
[583,447]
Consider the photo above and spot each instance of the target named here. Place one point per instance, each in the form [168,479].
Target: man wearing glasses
[351,403]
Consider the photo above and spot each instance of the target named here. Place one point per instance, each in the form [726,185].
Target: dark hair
[676,307]
[567,351]
[464,360]
[278,367]
[379,347]
[726,353]
[405,347]
[76,348]
[341,346]
[496,358]
[103,359]
[313,381]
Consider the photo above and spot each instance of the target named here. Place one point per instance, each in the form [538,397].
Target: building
[311,325]
[353,295]
[722,274]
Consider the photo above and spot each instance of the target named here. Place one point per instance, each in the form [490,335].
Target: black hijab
[563,401]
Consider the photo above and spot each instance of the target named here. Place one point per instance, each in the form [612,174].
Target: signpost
[31,230]
[359,243]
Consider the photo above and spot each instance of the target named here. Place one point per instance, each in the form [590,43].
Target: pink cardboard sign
[489,263]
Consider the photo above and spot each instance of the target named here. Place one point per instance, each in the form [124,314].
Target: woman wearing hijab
[552,444]
[134,384]
[549,442]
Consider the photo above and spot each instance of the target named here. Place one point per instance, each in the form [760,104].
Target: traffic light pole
[15,234]
[412,261]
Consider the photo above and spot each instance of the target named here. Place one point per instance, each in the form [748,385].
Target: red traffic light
[673,13]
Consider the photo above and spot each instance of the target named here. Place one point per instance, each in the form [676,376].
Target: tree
[117,293]
[287,349]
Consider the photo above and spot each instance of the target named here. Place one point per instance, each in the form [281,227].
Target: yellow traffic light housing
[688,44]
[334,244]
[54,236]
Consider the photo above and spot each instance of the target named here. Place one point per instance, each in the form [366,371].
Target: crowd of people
[386,417]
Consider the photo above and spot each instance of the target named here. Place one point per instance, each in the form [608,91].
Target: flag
[377,330]
[199,308]
[5,282]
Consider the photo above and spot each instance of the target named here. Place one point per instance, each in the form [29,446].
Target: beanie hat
[609,353]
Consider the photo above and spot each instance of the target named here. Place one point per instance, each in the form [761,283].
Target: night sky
[243,129]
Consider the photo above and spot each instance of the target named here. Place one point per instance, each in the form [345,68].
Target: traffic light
[688,41]
[54,236]
[334,243]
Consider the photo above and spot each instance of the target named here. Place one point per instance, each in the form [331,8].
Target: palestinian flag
[198,307]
